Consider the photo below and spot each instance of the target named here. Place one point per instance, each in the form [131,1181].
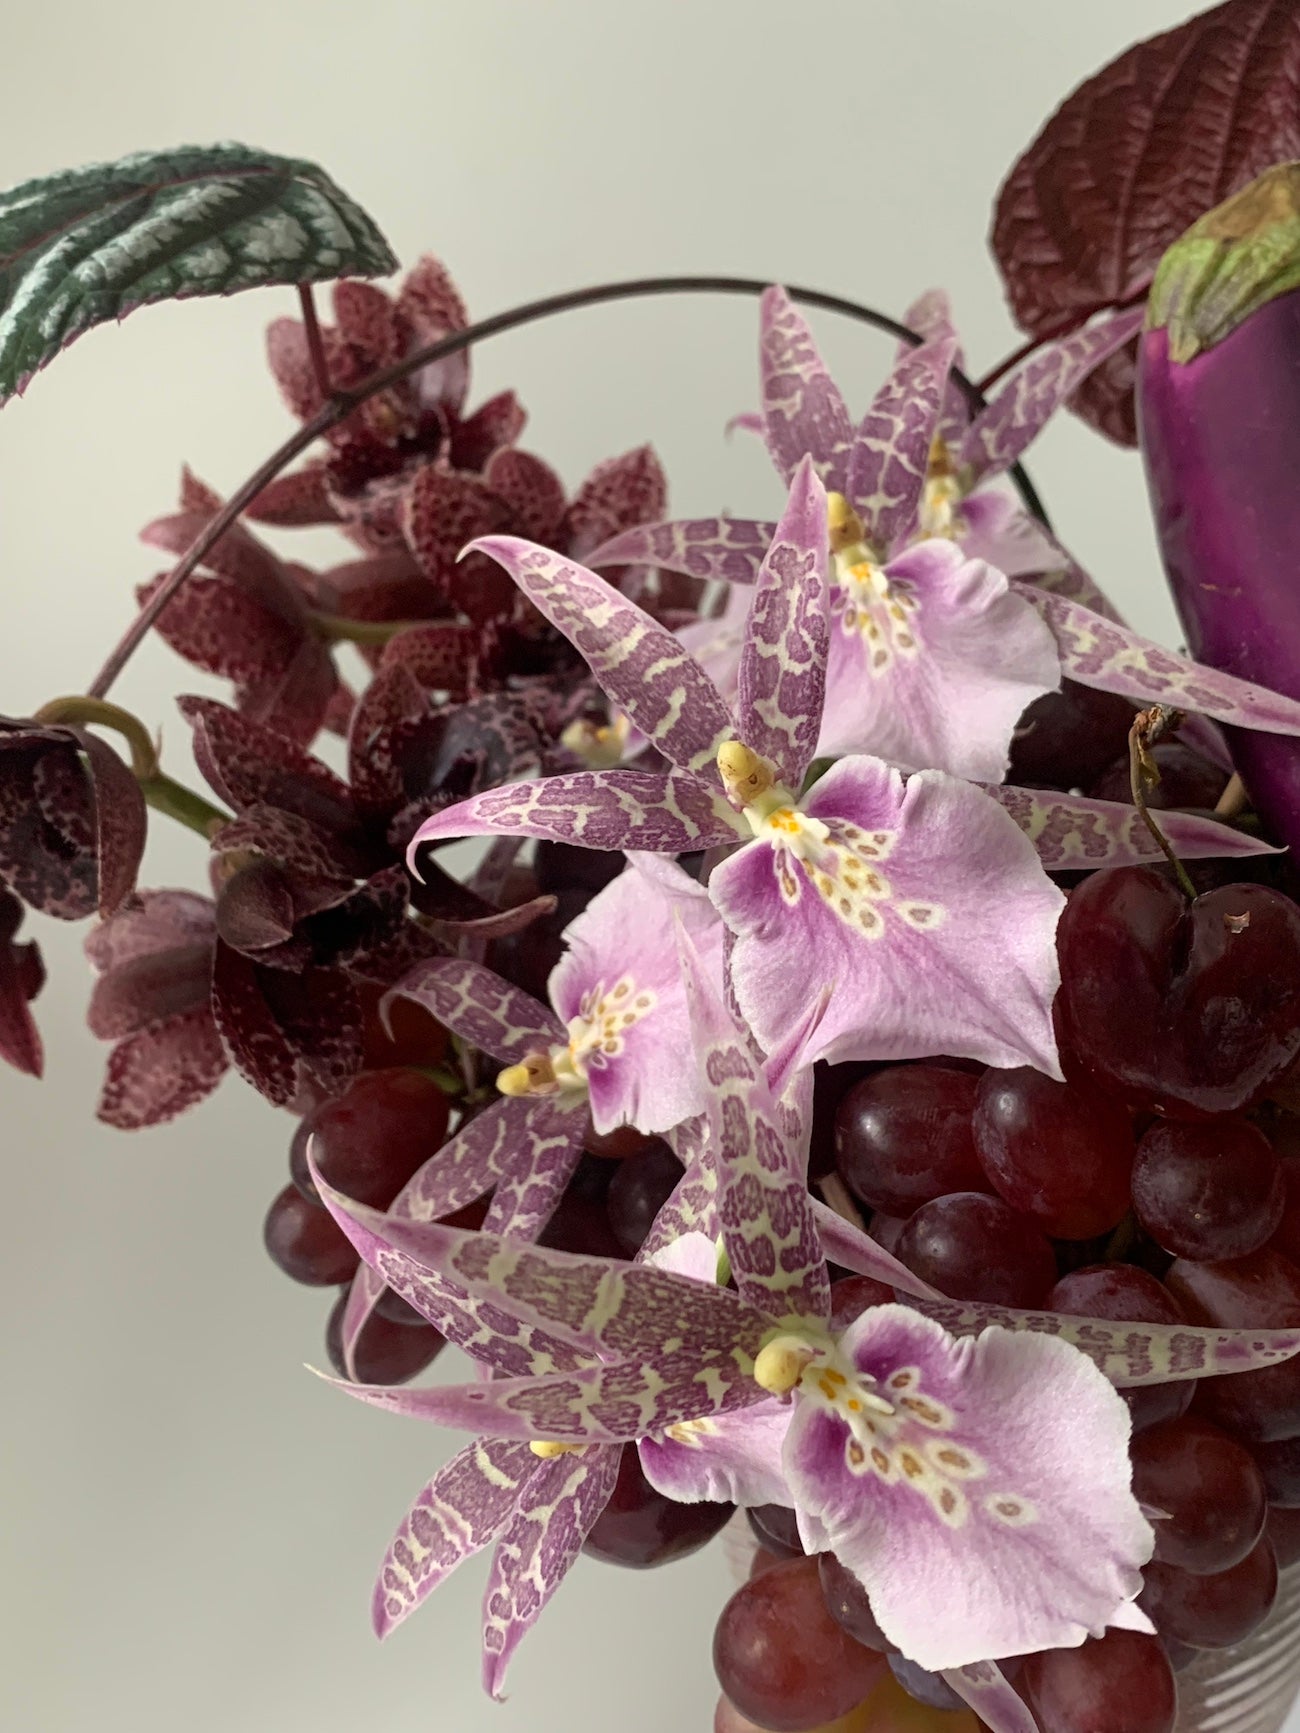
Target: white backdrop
[191,1521]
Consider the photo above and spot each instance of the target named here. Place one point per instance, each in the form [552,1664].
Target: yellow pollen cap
[845,526]
[780,1364]
[536,1076]
[744,774]
[548,1448]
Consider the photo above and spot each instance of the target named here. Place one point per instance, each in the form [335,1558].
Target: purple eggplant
[1219,421]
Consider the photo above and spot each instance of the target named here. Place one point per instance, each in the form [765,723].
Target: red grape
[1279,1463]
[849,1603]
[580,1222]
[1208,1191]
[1209,1488]
[974,1247]
[638,1190]
[887,1230]
[1212,1612]
[306,1242]
[850,1298]
[1282,1530]
[781,1658]
[1186,779]
[385,1353]
[1261,1291]
[641,1527]
[370,1140]
[1188,1009]
[903,1137]
[1067,738]
[406,1035]
[1060,1154]
[1127,1294]
[615,1145]
[1119,1683]
[1287,1238]
[775,1528]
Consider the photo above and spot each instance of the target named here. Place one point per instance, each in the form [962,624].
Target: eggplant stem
[1149,726]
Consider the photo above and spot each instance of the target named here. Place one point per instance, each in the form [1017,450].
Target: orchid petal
[994,1699]
[1101,653]
[639,664]
[1022,408]
[480,1007]
[855,1250]
[549,1523]
[605,809]
[991,525]
[990,1513]
[728,1459]
[607,1404]
[618,989]
[717,644]
[544,1161]
[1130,1355]
[783,662]
[1067,578]
[922,959]
[727,549]
[891,449]
[692,1207]
[462,1510]
[803,412]
[599,1305]
[935,672]
[763,1207]
[1070,831]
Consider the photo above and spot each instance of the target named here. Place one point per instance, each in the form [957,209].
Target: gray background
[191,1522]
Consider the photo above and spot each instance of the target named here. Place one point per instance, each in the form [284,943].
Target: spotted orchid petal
[989,1512]
[729,550]
[725,1458]
[1101,653]
[803,412]
[763,1208]
[1129,1355]
[891,448]
[549,1522]
[855,1250]
[605,809]
[985,1687]
[600,1306]
[933,660]
[638,663]
[782,675]
[881,892]
[692,1206]
[1022,408]
[716,644]
[461,1511]
[542,1164]
[930,316]
[480,1007]
[605,1404]
[618,989]
[1070,831]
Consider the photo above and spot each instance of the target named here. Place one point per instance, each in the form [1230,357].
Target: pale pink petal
[726,1459]
[991,525]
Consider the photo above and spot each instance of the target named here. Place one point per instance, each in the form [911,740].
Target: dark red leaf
[310,857]
[218,626]
[1131,159]
[286,1032]
[294,699]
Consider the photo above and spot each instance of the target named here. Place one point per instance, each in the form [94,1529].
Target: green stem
[79,712]
[166,795]
[334,628]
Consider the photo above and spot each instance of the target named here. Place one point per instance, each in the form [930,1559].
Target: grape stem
[1234,800]
[836,1195]
[341,404]
[1150,726]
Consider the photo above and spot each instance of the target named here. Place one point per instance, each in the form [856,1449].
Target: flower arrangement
[856,1083]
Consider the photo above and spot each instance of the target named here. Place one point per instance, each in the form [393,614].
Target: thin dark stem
[1148,727]
[342,404]
[315,342]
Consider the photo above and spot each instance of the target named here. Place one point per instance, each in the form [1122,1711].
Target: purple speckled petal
[599,1305]
[639,664]
[934,673]
[724,548]
[729,1459]
[763,1207]
[782,678]
[1023,406]
[462,1510]
[541,1166]
[930,316]
[1067,578]
[855,1250]
[803,412]
[998,1704]
[692,1207]
[618,989]
[990,1511]
[1129,1355]
[480,1007]
[550,1521]
[608,1404]
[891,448]
[1101,653]
[606,809]
[1071,831]
[880,892]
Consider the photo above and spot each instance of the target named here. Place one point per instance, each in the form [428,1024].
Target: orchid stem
[1144,773]
[164,794]
[342,404]
[79,712]
[334,628]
